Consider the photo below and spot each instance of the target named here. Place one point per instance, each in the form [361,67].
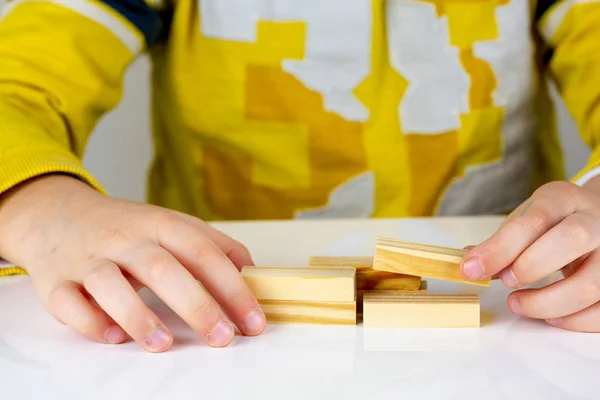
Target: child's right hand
[87,254]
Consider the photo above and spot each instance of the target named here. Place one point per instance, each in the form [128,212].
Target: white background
[124,137]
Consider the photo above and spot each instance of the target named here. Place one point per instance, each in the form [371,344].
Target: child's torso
[347,108]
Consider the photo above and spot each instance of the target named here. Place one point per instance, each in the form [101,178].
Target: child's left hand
[557,228]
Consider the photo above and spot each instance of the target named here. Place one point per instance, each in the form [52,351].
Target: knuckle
[240,296]
[99,274]
[160,268]
[114,234]
[579,230]
[166,221]
[242,248]
[201,309]
[205,315]
[537,220]
[590,290]
[205,253]
[57,296]
[558,193]
[559,187]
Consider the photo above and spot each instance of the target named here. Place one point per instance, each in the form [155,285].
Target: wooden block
[421,260]
[370,279]
[343,261]
[366,277]
[324,313]
[421,311]
[336,284]
[383,293]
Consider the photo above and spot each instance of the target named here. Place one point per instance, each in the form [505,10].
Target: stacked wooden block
[305,295]
[388,290]
[369,280]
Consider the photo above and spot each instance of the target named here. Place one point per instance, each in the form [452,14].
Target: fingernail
[221,334]
[554,321]
[513,304]
[114,335]
[473,269]
[509,278]
[158,338]
[254,322]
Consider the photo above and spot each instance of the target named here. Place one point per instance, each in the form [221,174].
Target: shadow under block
[323,313]
[425,261]
[301,284]
[421,311]
[366,277]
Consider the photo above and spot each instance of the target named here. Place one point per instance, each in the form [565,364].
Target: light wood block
[370,279]
[421,311]
[341,261]
[382,293]
[298,312]
[421,260]
[366,277]
[337,284]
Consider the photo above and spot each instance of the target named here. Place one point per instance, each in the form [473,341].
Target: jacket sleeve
[570,30]
[61,69]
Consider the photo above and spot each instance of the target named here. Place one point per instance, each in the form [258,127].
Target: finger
[69,305]
[561,298]
[135,284]
[220,277]
[546,208]
[573,267]
[471,247]
[576,235]
[234,250]
[587,320]
[157,269]
[116,296]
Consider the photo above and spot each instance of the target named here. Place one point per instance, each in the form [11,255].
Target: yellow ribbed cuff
[22,163]
[591,170]
[12,271]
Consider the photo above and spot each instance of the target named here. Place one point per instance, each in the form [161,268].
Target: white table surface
[507,358]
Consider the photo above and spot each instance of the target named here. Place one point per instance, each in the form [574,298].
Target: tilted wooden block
[421,260]
[366,277]
[337,284]
[324,313]
[421,311]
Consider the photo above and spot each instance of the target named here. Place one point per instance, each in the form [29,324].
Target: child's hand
[558,228]
[87,255]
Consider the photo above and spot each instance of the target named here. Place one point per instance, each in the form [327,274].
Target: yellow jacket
[279,109]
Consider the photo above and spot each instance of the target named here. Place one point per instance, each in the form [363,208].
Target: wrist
[29,205]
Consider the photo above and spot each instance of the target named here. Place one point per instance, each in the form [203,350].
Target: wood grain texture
[370,279]
[383,293]
[301,283]
[421,311]
[341,261]
[366,277]
[426,261]
[321,313]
